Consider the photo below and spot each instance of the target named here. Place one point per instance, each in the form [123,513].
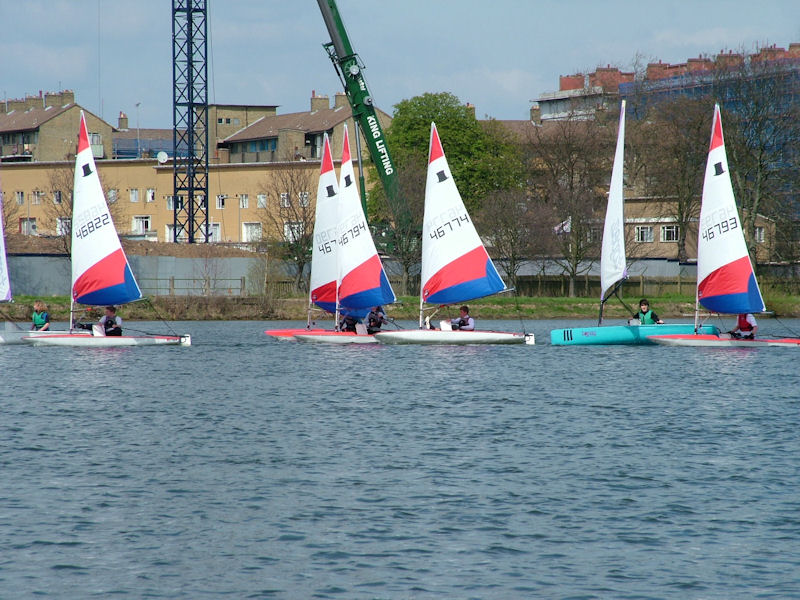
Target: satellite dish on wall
[162,157]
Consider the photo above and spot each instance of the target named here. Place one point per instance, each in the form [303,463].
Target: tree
[509,224]
[57,203]
[570,169]
[482,157]
[761,124]
[290,212]
[674,138]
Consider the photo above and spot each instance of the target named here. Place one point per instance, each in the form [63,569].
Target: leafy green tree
[482,155]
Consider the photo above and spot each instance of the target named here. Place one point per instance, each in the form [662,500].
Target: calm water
[244,467]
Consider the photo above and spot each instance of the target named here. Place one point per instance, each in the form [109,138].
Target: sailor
[746,324]
[348,323]
[645,315]
[111,322]
[375,318]
[40,318]
[464,322]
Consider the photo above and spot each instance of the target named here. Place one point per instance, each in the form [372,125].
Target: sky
[499,55]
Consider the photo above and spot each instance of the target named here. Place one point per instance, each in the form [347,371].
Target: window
[221,201]
[594,235]
[20,197]
[141,224]
[261,201]
[219,120]
[759,235]
[182,237]
[244,200]
[134,194]
[113,194]
[63,226]
[292,231]
[669,233]
[171,202]
[236,121]
[214,232]
[644,233]
[303,196]
[285,203]
[57,197]
[251,232]
[95,139]
[150,195]
[37,197]
[27,226]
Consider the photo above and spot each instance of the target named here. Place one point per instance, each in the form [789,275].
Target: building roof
[309,122]
[31,119]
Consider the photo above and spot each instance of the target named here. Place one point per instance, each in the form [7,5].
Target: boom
[349,68]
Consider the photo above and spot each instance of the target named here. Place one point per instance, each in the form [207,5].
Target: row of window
[669,233]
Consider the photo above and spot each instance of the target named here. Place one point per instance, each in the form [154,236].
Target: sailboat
[613,272]
[455,265]
[322,283]
[11,333]
[726,282]
[101,275]
[361,280]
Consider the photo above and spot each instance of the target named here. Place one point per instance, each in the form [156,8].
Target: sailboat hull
[450,338]
[18,336]
[288,334]
[621,334]
[102,341]
[335,337]
[722,341]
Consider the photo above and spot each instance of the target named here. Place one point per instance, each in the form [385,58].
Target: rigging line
[789,329]
[519,310]
[163,320]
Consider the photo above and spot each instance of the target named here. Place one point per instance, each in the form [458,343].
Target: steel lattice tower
[190,120]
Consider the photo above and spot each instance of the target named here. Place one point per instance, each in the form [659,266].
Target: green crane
[350,69]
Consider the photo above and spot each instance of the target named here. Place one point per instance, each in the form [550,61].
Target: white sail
[612,257]
[324,265]
[726,282]
[5,282]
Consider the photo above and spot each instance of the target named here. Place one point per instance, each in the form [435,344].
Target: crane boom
[349,68]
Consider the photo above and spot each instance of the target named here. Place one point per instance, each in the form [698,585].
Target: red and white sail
[324,265]
[455,264]
[612,257]
[362,278]
[101,274]
[726,282]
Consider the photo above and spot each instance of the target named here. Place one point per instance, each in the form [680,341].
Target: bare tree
[571,168]
[508,222]
[761,124]
[289,211]
[57,203]
[675,140]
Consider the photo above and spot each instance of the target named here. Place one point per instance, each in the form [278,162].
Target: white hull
[335,338]
[101,341]
[17,336]
[722,341]
[459,338]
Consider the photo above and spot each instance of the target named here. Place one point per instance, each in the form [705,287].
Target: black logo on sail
[441,176]
[718,169]
[87,170]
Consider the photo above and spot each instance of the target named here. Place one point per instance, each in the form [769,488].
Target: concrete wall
[157,275]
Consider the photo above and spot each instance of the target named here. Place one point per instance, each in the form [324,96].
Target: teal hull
[620,334]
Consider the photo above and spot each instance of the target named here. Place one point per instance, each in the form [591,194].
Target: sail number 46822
[92,225]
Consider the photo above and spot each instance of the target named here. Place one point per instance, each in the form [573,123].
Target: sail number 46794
[92,225]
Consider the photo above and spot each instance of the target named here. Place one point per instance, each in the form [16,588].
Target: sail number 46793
[709,233]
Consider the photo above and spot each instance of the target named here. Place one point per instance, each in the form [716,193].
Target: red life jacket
[743,324]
